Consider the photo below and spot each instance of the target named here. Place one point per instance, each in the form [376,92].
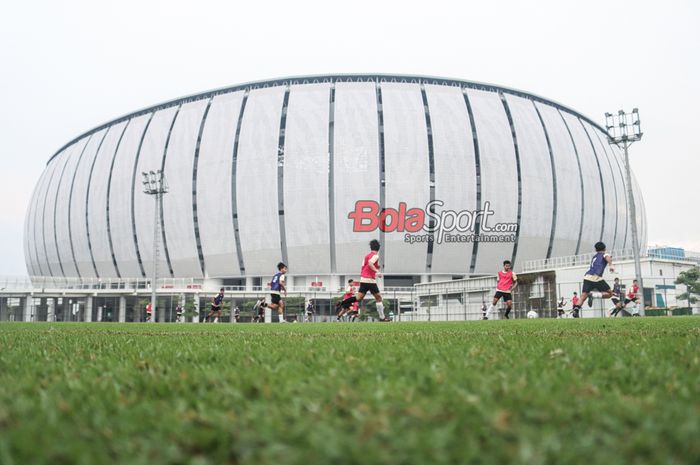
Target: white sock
[380,310]
[491,309]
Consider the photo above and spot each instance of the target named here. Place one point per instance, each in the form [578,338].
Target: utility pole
[154,184]
[624,129]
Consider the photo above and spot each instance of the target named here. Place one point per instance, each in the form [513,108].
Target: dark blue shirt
[598,265]
[276,284]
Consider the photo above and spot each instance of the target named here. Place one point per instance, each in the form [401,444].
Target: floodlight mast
[624,129]
[154,184]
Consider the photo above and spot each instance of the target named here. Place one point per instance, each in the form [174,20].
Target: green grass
[617,391]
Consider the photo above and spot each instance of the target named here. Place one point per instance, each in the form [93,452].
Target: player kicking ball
[349,292]
[593,283]
[277,288]
[215,311]
[368,281]
[507,281]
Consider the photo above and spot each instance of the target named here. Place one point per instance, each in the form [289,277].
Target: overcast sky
[66,67]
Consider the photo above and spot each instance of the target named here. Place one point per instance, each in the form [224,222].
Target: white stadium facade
[270,171]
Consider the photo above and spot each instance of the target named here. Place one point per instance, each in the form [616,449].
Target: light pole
[154,184]
[624,129]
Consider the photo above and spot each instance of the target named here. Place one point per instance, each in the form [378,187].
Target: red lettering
[415,220]
[365,217]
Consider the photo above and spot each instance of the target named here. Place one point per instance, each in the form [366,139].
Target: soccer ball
[532,314]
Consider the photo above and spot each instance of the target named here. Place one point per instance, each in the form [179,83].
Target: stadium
[274,170]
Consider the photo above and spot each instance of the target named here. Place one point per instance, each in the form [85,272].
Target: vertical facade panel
[537,184]
[41,214]
[177,203]
[407,172]
[151,159]
[53,264]
[356,168]
[568,183]
[214,186]
[62,208]
[97,203]
[256,186]
[306,172]
[594,217]
[78,205]
[455,170]
[641,214]
[120,225]
[31,236]
[499,182]
[619,158]
[612,192]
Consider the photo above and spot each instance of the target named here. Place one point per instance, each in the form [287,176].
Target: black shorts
[275,298]
[507,297]
[628,300]
[215,309]
[589,286]
[369,287]
[615,300]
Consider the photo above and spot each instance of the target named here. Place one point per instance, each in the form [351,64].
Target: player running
[633,296]
[507,281]
[593,283]
[368,281]
[616,298]
[216,306]
[349,292]
[277,288]
[259,310]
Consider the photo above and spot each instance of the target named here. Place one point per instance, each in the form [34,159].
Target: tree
[689,278]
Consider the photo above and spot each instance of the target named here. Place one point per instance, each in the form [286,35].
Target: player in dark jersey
[259,310]
[593,282]
[277,288]
[368,281]
[216,306]
[616,297]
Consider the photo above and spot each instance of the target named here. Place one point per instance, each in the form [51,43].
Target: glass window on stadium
[400,281]
[11,308]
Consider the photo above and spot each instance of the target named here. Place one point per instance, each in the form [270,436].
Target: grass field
[527,391]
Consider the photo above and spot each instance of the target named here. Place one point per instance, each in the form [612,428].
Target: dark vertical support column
[519,171]
[600,175]
[109,190]
[431,168]
[87,201]
[133,186]
[580,176]
[195,217]
[234,197]
[477,162]
[70,203]
[331,177]
[552,230]
[280,176]
[160,197]
[382,170]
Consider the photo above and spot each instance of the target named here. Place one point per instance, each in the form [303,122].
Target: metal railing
[618,255]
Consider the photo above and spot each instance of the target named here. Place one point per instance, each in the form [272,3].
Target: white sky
[66,67]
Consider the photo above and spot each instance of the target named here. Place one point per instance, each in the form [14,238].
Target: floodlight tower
[624,129]
[154,184]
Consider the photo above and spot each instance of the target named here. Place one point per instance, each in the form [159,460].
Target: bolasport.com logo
[431,223]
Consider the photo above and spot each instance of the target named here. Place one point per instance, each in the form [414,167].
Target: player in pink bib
[368,281]
[507,281]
